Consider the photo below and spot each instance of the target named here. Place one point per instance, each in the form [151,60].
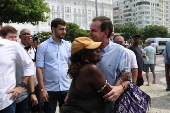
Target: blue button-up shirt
[114,59]
[54,59]
[167,53]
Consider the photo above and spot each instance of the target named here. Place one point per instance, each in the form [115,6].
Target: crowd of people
[87,76]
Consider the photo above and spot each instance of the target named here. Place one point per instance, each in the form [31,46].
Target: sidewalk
[160,98]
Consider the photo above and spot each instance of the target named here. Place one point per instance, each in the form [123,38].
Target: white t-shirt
[133,62]
[154,45]
[31,52]
[11,52]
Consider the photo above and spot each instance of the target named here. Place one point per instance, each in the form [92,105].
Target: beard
[60,36]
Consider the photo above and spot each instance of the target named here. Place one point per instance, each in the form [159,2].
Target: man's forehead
[25,31]
[11,34]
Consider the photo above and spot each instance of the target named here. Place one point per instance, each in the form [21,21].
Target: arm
[96,79]
[134,74]
[154,58]
[31,86]
[134,67]
[28,67]
[18,90]
[39,72]
[43,92]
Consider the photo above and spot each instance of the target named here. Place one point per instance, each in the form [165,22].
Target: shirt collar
[21,44]
[52,41]
[107,48]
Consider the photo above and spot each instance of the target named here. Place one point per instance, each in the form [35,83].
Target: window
[75,10]
[58,8]
[89,11]
[162,43]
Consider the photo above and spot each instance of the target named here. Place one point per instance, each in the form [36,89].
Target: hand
[29,40]
[144,56]
[44,96]
[34,99]
[125,76]
[16,92]
[114,94]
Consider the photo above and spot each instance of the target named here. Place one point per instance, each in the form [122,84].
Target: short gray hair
[148,42]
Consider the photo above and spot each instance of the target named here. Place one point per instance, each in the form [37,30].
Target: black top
[83,102]
[139,56]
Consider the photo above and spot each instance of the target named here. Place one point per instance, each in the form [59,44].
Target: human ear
[83,57]
[106,32]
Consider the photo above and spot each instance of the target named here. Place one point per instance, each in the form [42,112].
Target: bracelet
[43,89]
[124,88]
[167,75]
[102,87]
[134,83]
[32,92]
[120,80]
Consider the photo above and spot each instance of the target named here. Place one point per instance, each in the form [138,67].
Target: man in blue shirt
[167,65]
[114,58]
[52,65]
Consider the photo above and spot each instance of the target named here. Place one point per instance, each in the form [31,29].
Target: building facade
[80,12]
[141,12]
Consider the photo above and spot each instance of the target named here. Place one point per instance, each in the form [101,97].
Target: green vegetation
[149,31]
[21,11]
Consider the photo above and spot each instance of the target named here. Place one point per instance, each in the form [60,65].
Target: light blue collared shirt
[167,53]
[114,59]
[54,59]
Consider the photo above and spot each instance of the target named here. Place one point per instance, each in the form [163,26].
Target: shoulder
[130,51]
[68,44]
[168,43]
[89,68]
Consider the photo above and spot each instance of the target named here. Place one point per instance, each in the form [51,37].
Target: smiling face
[95,32]
[93,55]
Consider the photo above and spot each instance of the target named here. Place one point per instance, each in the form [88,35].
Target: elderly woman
[88,84]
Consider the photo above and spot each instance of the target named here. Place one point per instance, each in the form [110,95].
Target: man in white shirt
[23,101]
[154,45]
[12,53]
[27,43]
[133,63]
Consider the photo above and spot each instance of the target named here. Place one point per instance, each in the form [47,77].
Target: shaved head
[119,39]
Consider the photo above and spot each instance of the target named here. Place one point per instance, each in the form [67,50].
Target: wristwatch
[23,84]
[32,92]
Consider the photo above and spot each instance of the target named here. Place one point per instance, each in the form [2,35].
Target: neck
[104,43]
[135,44]
[56,39]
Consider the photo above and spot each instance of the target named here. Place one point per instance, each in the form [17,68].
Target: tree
[74,31]
[43,36]
[21,11]
[154,31]
[127,31]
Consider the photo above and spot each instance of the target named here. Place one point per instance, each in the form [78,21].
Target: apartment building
[141,12]
[80,12]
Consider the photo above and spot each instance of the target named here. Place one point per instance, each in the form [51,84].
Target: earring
[87,61]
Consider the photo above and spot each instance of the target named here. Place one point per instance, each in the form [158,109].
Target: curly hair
[77,62]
